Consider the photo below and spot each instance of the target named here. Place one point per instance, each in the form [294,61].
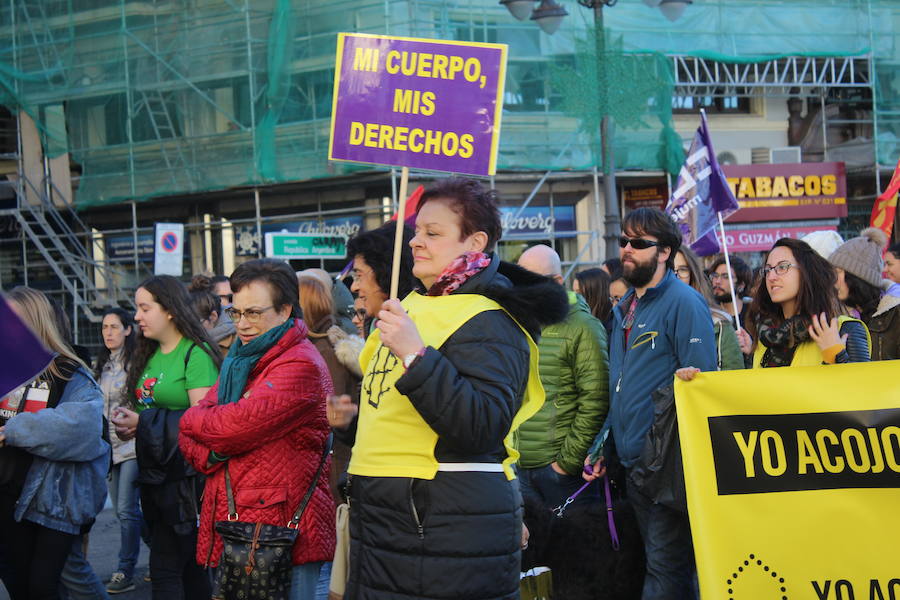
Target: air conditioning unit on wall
[788,154]
[735,156]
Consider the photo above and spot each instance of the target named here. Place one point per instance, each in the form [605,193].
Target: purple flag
[701,192]
[24,356]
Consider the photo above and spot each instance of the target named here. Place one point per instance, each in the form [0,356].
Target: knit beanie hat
[861,256]
[823,242]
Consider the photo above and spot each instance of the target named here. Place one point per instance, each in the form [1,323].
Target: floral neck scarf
[458,272]
[782,340]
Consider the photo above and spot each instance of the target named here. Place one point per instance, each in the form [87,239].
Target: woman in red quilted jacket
[266,418]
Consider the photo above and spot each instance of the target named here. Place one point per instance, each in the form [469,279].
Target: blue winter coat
[66,483]
[672,329]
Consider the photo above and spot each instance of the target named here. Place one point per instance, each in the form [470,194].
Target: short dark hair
[376,247]
[652,221]
[219,279]
[895,250]
[742,271]
[475,205]
[614,266]
[817,288]
[277,274]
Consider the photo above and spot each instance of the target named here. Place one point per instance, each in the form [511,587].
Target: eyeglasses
[226,298]
[358,274]
[636,243]
[780,269]
[360,314]
[683,273]
[718,276]
[251,314]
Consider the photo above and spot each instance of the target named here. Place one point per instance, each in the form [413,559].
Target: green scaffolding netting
[184,96]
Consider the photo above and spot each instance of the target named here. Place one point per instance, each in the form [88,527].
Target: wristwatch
[410,359]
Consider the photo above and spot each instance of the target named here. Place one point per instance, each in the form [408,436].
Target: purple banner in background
[24,357]
[701,193]
[425,104]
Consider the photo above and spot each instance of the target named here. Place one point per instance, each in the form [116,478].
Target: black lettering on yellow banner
[811,451]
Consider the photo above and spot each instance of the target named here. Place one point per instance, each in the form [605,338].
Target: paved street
[103,555]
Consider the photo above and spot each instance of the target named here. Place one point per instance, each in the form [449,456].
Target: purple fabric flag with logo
[24,356]
[701,192]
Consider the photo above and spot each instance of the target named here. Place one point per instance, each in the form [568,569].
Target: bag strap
[295,520]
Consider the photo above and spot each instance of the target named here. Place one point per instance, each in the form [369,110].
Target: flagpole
[398,236]
[737,317]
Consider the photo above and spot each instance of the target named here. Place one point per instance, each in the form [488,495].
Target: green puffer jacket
[574,369]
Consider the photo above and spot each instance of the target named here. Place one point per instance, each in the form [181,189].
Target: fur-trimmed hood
[887,303]
[533,300]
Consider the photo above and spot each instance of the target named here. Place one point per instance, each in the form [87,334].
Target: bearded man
[659,326]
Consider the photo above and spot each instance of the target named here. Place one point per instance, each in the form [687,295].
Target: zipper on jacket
[415,512]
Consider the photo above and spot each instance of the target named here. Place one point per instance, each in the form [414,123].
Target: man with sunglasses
[659,326]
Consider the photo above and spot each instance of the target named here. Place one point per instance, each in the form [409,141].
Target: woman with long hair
[119,340]
[795,318]
[173,367]
[259,435]
[54,458]
[858,266]
[450,373]
[728,351]
[593,284]
[333,344]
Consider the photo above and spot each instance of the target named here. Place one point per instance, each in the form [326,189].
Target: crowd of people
[457,415]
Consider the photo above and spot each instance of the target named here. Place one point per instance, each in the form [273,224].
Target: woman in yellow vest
[796,318]
[449,374]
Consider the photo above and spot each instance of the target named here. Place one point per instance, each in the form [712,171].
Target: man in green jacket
[574,370]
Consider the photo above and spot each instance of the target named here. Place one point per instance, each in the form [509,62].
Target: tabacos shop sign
[788,192]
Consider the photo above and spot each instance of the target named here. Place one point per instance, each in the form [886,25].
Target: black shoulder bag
[256,559]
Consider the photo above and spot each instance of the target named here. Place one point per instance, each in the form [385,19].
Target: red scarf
[458,272]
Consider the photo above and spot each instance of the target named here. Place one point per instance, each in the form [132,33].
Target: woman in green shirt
[174,366]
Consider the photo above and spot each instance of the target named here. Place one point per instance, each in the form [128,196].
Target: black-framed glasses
[636,243]
[226,298]
[361,314]
[780,269]
[251,314]
[683,272]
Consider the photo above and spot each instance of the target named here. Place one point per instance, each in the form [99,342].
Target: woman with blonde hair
[53,460]
[341,354]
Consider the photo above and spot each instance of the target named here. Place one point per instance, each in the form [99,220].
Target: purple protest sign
[426,104]
[701,193]
[24,357]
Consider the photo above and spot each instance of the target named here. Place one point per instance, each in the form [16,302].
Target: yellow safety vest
[392,439]
[808,353]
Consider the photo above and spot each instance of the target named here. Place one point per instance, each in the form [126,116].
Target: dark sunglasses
[636,243]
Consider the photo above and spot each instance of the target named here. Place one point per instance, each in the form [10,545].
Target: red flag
[886,205]
[412,205]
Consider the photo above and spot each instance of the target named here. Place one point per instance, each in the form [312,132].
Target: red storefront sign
[788,192]
[760,240]
[652,196]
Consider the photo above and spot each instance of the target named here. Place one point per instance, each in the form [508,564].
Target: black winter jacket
[170,488]
[458,535]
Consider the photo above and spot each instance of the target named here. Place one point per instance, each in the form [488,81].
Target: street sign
[168,250]
[305,245]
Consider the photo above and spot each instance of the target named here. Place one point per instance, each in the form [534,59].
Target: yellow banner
[793,481]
